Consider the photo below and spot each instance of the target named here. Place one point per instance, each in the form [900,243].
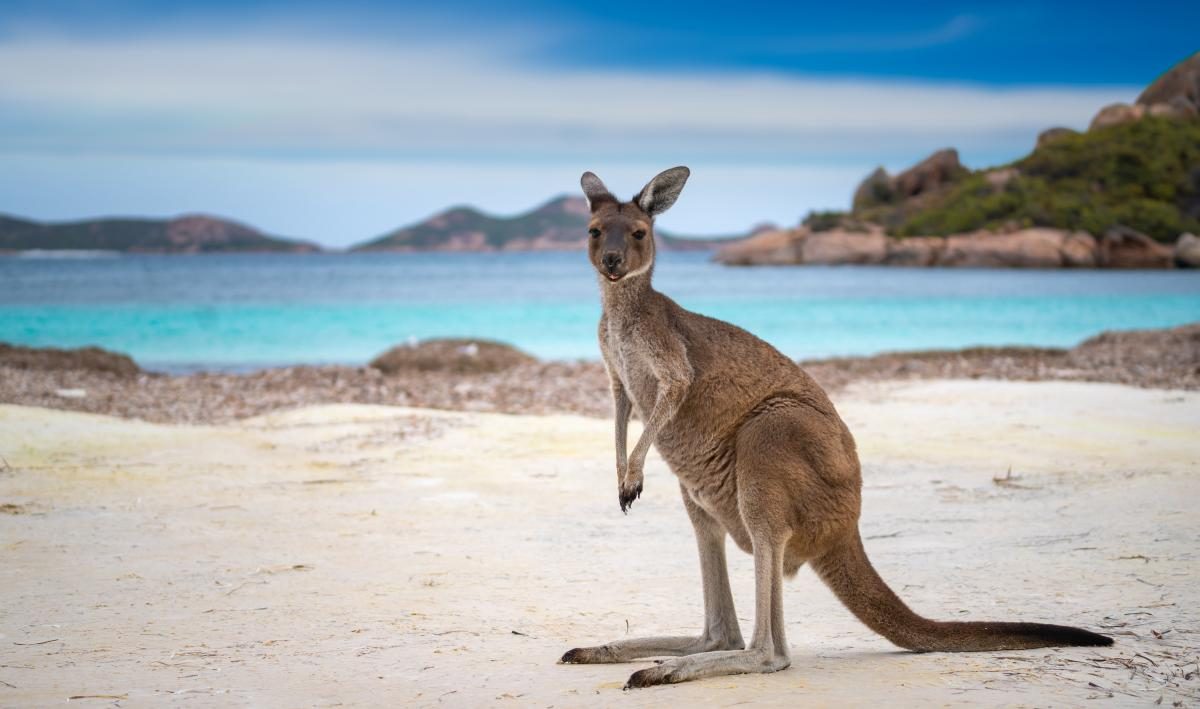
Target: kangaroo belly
[706,474]
[725,512]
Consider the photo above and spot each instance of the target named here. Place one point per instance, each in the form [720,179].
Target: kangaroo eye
[639,234]
[594,232]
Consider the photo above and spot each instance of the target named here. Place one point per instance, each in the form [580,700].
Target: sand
[355,554]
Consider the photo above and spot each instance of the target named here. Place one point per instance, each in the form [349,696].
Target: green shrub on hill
[1144,175]
[824,220]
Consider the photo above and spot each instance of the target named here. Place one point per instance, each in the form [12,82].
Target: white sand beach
[373,555]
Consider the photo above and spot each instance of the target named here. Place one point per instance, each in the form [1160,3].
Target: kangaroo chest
[629,359]
[703,463]
[684,442]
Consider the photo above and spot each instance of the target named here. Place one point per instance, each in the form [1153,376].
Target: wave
[67,254]
[74,254]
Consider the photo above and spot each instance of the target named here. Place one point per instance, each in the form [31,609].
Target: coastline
[113,385]
[1029,248]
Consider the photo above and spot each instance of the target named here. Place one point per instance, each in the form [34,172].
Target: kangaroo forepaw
[626,496]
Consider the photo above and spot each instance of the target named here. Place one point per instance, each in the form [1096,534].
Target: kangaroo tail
[849,573]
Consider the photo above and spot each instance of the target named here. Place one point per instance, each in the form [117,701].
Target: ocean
[243,311]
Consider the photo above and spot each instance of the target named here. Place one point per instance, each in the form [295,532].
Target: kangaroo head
[621,234]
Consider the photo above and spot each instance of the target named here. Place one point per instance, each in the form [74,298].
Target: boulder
[875,189]
[839,246]
[929,175]
[1116,114]
[1178,88]
[1174,109]
[1079,250]
[932,173]
[1025,248]
[458,356]
[1175,94]
[915,251]
[1187,251]
[1122,247]
[777,247]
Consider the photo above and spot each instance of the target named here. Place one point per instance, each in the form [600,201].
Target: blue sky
[337,122]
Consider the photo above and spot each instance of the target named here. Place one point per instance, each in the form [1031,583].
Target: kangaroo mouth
[611,273]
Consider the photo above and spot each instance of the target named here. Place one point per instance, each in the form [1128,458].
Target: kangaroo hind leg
[764,479]
[768,651]
[721,631]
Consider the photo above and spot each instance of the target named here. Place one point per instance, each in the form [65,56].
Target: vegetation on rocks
[1144,175]
[1136,168]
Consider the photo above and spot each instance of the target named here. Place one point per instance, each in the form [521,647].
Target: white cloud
[270,94]
[953,30]
[339,141]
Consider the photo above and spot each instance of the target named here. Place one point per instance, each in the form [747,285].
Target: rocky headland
[1031,247]
[1123,194]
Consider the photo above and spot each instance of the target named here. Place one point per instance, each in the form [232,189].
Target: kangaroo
[761,455]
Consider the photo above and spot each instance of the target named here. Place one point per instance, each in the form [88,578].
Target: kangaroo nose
[612,259]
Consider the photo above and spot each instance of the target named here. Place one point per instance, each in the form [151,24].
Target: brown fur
[761,455]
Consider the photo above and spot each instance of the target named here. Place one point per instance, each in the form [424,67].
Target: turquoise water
[242,311]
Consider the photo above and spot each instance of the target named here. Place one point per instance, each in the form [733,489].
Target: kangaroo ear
[660,193]
[595,190]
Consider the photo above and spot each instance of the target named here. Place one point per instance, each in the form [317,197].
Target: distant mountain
[181,235]
[558,225]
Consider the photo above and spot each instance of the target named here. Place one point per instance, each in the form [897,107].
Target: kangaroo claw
[626,497]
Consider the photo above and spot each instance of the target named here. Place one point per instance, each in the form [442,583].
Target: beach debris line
[1010,481]
[518,384]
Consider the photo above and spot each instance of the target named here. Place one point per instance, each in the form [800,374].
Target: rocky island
[1123,194]
[187,234]
[557,225]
